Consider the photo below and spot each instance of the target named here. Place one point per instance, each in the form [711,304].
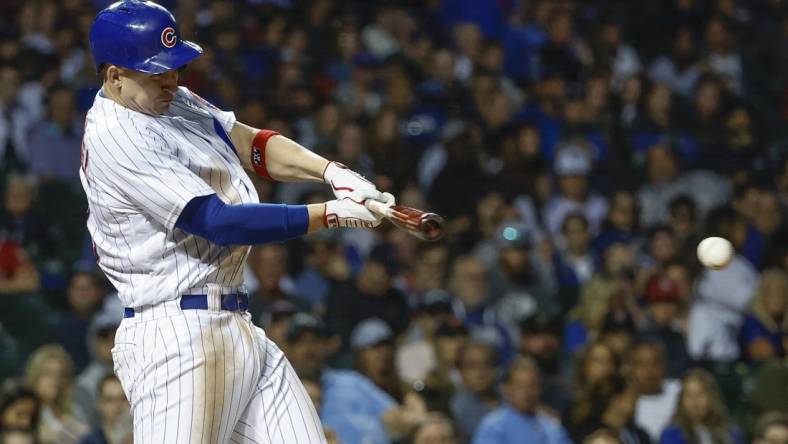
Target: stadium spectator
[19,408]
[449,339]
[416,356]
[700,414]
[772,428]
[622,222]
[101,338]
[115,425]
[436,429]
[657,396]
[370,294]
[573,262]
[372,343]
[766,391]
[353,406]
[666,181]
[573,164]
[519,280]
[721,297]
[540,339]
[50,372]
[23,237]
[587,318]
[55,144]
[662,297]
[324,267]
[15,436]
[681,68]
[85,297]
[478,395]
[596,365]
[520,418]
[469,283]
[767,320]
[276,321]
[614,410]
[683,220]
[15,120]
[269,267]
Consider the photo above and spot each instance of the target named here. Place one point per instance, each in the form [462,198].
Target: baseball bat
[424,225]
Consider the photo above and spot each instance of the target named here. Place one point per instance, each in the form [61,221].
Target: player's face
[147,93]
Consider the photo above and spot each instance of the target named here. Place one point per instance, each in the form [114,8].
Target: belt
[230,302]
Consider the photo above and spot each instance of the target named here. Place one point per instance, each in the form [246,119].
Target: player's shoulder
[106,116]
[108,132]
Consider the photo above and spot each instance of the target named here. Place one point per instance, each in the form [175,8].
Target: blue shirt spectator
[507,425]
[353,407]
[520,420]
[55,144]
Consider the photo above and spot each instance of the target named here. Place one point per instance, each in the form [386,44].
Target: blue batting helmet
[139,35]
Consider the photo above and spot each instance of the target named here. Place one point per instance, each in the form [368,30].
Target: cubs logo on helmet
[168,37]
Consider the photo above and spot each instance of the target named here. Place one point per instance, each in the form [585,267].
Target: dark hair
[658,347]
[15,392]
[683,200]
[105,379]
[721,221]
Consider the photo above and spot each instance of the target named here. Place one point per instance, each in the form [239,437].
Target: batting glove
[345,181]
[352,213]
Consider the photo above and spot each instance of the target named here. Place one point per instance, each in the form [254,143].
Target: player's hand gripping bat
[424,225]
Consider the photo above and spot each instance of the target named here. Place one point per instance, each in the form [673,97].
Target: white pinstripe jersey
[138,172]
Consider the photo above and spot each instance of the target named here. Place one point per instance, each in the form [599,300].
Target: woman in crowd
[613,409]
[597,299]
[596,366]
[50,372]
[701,416]
[764,325]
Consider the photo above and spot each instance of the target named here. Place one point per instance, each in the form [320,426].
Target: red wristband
[258,152]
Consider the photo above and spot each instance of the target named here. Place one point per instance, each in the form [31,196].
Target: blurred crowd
[579,150]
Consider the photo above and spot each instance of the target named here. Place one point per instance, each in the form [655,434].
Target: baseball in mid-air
[715,252]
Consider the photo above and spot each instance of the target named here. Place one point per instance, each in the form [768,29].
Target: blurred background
[579,151]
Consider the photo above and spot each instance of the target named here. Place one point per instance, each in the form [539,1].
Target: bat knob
[431,226]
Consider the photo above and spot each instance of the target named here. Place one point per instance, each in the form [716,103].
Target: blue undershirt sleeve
[244,224]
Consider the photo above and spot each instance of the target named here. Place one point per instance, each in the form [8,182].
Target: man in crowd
[520,419]
[115,424]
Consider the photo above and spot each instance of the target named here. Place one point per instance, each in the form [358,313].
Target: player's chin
[161,106]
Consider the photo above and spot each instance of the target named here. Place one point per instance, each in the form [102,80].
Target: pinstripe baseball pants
[209,376]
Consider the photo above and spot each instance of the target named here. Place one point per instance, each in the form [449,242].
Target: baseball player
[171,214]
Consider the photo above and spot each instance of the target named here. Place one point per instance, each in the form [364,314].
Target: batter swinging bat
[424,225]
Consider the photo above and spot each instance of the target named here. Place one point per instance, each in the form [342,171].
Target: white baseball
[715,252]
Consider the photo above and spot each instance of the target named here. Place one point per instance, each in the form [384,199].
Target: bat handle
[378,208]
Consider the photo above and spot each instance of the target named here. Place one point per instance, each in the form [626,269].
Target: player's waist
[210,298]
